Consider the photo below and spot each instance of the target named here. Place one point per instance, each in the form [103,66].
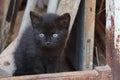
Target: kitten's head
[50,30]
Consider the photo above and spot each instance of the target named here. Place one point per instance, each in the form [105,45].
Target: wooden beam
[71,7]
[89,33]
[4,27]
[7,66]
[1,19]
[6,57]
[26,18]
[52,6]
[9,21]
[17,7]
[100,73]
[113,36]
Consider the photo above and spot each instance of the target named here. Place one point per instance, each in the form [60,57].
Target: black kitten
[40,47]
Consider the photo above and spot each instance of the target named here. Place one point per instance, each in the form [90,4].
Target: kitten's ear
[35,17]
[65,19]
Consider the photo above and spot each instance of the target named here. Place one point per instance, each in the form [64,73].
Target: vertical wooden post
[9,21]
[89,32]
[1,19]
[3,27]
[7,65]
[26,17]
[113,36]
[71,7]
[52,6]
[6,58]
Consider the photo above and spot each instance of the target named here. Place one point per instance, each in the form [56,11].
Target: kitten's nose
[47,43]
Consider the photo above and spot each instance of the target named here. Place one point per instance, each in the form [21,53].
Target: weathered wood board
[113,36]
[71,7]
[5,25]
[7,66]
[7,54]
[10,12]
[52,6]
[100,73]
[89,33]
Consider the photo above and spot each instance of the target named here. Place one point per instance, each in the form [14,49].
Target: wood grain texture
[89,32]
[7,65]
[113,36]
[7,54]
[100,73]
[71,7]
[5,25]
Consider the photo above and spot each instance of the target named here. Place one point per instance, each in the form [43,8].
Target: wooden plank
[1,19]
[26,18]
[113,36]
[100,73]
[109,31]
[6,57]
[104,73]
[89,33]
[3,27]
[71,7]
[8,11]
[52,6]
[7,66]
[16,9]
[9,22]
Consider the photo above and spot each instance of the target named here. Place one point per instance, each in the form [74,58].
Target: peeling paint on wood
[113,36]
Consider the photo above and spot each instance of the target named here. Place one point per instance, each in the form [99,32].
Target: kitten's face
[50,30]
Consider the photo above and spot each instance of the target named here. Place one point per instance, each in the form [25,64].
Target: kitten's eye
[55,35]
[41,35]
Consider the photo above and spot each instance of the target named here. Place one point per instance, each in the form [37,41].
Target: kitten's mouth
[48,45]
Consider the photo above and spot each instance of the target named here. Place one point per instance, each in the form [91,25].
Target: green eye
[55,35]
[41,35]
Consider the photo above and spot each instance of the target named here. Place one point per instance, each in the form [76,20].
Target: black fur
[38,53]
